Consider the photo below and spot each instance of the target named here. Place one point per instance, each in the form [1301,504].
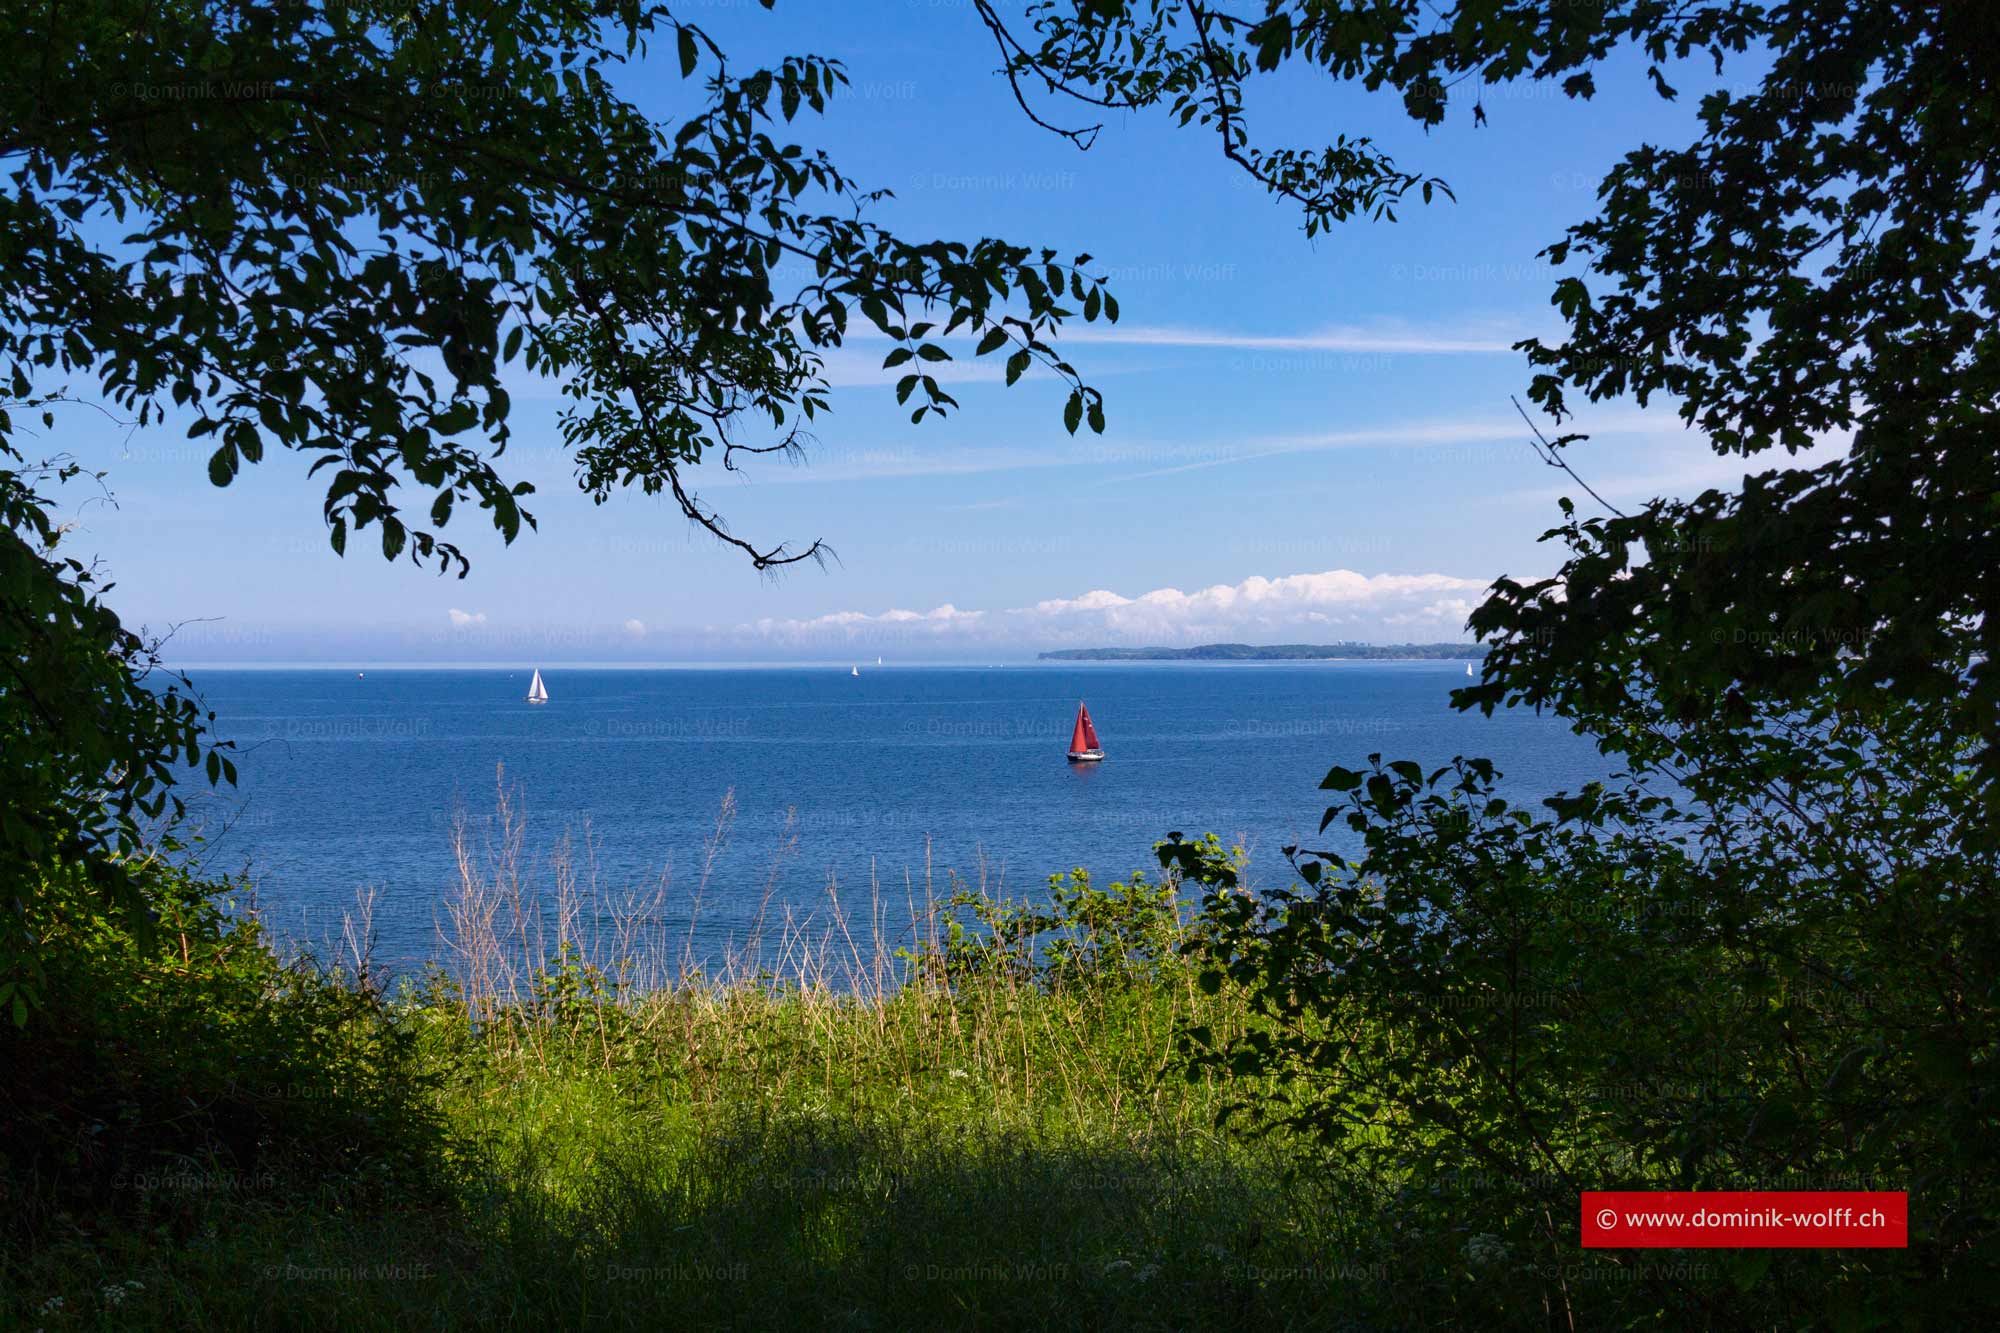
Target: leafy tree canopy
[88,742]
[337,228]
[1818,263]
[329,227]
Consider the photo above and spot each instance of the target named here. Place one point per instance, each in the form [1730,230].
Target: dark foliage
[1818,264]
[190,1061]
[90,741]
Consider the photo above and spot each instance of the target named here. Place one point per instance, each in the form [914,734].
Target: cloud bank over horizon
[1336,604]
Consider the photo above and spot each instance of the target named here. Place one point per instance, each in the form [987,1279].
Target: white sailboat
[1468,668]
[538,693]
[854,671]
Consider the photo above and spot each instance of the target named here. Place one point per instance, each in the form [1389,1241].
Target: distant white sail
[538,693]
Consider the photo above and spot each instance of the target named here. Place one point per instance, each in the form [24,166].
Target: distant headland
[1274,652]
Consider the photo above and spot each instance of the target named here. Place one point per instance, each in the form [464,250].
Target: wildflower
[53,1305]
[959,1073]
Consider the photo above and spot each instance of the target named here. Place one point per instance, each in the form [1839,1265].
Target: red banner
[1751,1219]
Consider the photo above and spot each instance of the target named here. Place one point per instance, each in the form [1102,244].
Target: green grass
[998,1156]
[847,1126]
[980,1125]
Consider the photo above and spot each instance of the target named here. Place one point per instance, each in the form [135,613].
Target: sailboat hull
[1086,756]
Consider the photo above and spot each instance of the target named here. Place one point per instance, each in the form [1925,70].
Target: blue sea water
[350,782]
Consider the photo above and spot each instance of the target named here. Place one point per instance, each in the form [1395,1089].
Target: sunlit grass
[825,1130]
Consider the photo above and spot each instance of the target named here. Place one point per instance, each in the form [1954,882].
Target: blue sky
[1308,439]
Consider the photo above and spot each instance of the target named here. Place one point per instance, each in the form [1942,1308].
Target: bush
[1771,964]
[91,737]
[1084,935]
[187,1050]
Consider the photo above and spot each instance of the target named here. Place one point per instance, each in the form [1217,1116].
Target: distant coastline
[1275,652]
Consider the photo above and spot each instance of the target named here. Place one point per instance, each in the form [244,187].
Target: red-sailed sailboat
[1083,746]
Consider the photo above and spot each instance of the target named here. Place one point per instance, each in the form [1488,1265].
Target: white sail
[538,693]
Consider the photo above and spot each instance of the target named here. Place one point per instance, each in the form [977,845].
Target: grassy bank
[983,1116]
[976,1117]
[994,1151]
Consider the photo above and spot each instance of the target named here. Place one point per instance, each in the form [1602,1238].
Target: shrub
[1771,963]
[189,1051]
[1132,931]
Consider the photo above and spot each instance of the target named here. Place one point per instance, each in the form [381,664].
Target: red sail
[1084,737]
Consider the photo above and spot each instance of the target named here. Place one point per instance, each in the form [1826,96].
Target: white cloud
[636,628]
[1484,340]
[460,619]
[857,363]
[1446,612]
[834,461]
[1342,602]
[1682,464]
[1460,337]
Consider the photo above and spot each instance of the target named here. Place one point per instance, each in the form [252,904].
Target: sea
[731,798]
